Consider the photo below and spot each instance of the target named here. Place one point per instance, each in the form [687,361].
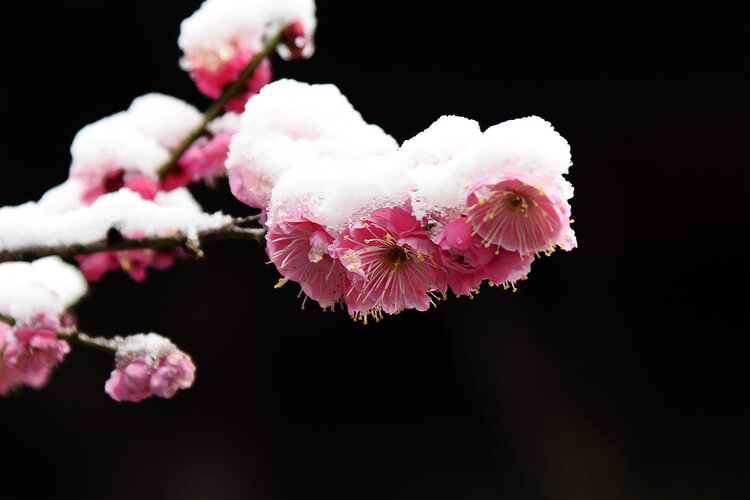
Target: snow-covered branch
[245,228]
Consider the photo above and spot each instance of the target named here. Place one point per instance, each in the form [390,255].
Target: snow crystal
[46,286]
[44,224]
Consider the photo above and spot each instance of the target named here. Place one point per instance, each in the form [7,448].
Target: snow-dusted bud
[148,365]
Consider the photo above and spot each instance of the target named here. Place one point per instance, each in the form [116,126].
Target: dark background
[618,371]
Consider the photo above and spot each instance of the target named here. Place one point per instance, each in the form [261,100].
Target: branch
[75,337]
[82,339]
[218,105]
[241,228]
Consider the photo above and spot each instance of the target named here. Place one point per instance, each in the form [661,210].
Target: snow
[211,34]
[166,119]
[529,146]
[138,139]
[150,347]
[335,192]
[305,150]
[59,219]
[46,286]
[290,124]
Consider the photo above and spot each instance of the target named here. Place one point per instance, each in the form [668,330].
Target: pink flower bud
[175,371]
[28,356]
[130,383]
[468,262]
[34,351]
[298,44]
[148,365]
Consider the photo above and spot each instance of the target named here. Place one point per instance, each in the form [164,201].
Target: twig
[218,105]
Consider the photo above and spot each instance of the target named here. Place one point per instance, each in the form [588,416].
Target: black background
[618,371]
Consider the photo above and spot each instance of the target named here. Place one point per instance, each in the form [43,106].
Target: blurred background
[617,371]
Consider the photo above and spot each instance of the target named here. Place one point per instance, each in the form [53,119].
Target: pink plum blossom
[300,251]
[130,383]
[155,367]
[175,371]
[250,186]
[297,43]
[28,356]
[114,180]
[204,159]
[134,262]
[512,213]
[468,262]
[212,79]
[391,263]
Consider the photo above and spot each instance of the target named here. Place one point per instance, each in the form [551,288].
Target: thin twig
[7,319]
[75,337]
[218,105]
[82,339]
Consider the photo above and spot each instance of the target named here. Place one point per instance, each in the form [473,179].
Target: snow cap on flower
[528,146]
[292,124]
[432,156]
[148,364]
[133,144]
[44,288]
[166,119]
[114,143]
[336,192]
[211,35]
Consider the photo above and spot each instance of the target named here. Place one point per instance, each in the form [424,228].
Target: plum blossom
[211,80]
[300,251]
[134,262]
[392,264]
[29,354]
[148,365]
[221,38]
[128,148]
[512,213]
[203,160]
[468,262]
[453,207]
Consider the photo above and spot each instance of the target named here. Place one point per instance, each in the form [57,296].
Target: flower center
[516,203]
[396,256]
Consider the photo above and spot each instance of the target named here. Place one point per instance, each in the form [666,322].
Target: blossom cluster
[37,295]
[35,323]
[223,36]
[148,365]
[355,219]
[141,149]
